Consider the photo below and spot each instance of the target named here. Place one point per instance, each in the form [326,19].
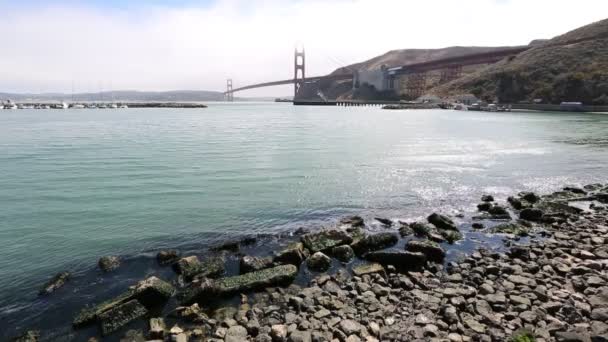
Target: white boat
[102,106]
[27,107]
[46,107]
[1,106]
[124,106]
[78,106]
[113,106]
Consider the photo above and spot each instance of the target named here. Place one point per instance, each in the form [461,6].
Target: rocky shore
[547,282]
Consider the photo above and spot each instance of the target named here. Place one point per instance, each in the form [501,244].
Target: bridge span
[451,69]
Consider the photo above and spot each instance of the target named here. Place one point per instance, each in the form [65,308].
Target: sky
[54,46]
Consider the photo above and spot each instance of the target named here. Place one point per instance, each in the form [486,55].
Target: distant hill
[122,95]
[569,67]
[343,90]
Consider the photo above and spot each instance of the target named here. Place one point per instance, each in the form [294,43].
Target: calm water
[78,184]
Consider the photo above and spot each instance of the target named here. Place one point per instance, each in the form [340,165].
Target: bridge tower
[299,71]
[229,95]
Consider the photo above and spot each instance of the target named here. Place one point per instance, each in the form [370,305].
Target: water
[79,184]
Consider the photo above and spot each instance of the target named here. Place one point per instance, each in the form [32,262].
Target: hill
[569,67]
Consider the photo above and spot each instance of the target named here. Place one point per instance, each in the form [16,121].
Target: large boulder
[442,222]
[191,267]
[421,229]
[108,263]
[431,250]
[293,254]
[343,253]
[399,259]
[54,283]
[120,315]
[167,257]
[529,197]
[531,214]
[318,262]
[326,240]
[499,212]
[375,242]
[150,292]
[250,264]
[208,288]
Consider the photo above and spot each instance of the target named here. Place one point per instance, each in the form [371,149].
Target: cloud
[46,47]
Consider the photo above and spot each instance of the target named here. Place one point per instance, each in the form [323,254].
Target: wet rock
[343,253]
[529,197]
[375,242]
[384,221]
[167,257]
[485,206]
[151,292]
[28,336]
[511,228]
[442,222]
[402,260]
[325,240]
[487,198]
[202,290]
[293,254]
[431,250]
[54,283]
[119,316]
[451,236]
[499,212]
[230,246]
[364,269]
[421,229]
[477,225]
[531,214]
[353,221]
[250,264]
[516,203]
[318,262]
[108,263]
[190,267]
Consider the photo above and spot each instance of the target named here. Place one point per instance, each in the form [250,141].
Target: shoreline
[385,285]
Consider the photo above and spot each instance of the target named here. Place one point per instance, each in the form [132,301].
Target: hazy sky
[186,44]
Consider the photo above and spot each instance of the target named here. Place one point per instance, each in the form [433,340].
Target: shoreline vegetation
[547,282]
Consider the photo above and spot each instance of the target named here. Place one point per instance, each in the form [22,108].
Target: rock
[529,197]
[600,314]
[293,254]
[516,203]
[451,236]
[431,250]
[167,257]
[353,221]
[236,333]
[278,332]
[119,316]
[364,269]
[151,292]
[54,283]
[278,275]
[230,246]
[511,228]
[477,225]
[571,336]
[190,267]
[350,327]
[28,336]
[531,214]
[157,328]
[318,262]
[343,253]
[192,313]
[325,240]
[487,198]
[250,264]
[442,222]
[484,206]
[300,336]
[499,212]
[403,260]
[108,263]
[384,221]
[421,229]
[520,252]
[375,242]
